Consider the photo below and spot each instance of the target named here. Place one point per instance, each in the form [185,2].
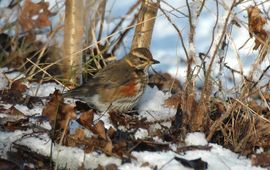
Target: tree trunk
[145,24]
[73,32]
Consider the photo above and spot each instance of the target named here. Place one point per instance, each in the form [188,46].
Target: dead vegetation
[240,122]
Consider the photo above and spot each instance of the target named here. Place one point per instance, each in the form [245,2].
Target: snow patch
[5,77]
[42,90]
[266,27]
[151,105]
[196,138]
[141,134]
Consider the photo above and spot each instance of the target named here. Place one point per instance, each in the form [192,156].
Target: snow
[6,77]
[266,27]
[7,138]
[43,90]
[72,157]
[217,158]
[151,105]
[221,158]
[29,112]
[141,134]
[4,81]
[196,138]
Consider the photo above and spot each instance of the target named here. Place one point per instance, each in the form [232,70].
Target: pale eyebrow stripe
[139,55]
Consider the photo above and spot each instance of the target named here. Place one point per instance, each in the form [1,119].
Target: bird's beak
[155,61]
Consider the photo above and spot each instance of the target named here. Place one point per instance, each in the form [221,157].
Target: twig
[175,9]
[122,20]
[178,31]
[44,71]
[101,6]
[201,8]
[214,28]
[217,46]
[264,100]
[263,73]
[120,39]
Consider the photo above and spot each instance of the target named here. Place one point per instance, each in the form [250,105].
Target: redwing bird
[119,86]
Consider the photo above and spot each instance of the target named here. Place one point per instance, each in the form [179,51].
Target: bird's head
[140,59]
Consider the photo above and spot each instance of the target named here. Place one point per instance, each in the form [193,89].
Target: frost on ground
[151,107]
[72,157]
[196,138]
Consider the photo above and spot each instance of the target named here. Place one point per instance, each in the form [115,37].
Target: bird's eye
[142,59]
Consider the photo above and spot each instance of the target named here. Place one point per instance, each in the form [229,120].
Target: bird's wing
[103,80]
[113,75]
[113,86]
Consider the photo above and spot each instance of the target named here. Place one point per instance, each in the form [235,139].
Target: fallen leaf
[6,164]
[100,129]
[79,134]
[87,117]
[196,164]
[52,107]
[108,147]
[14,95]
[256,22]
[19,86]
[34,15]
[67,113]
[150,146]
[21,124]
[111,166]
[173,101]
[76,138]
[262,159]
[165,82]
[15,112]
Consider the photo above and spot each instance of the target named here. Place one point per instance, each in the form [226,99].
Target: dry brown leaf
[100,129]
[262,159]
[15,93]
[219,106]
[255,25]
[87,117]
[15,112]
[111,167]
[34,15]
[108,147]
[20,124]
[7,164]
[173,101]
[19,86]
[266,95]
[67,114]
[58,112]
[74,139]
[217,109]
[111,132]
[79,133]
[165,82]
[257,108]
[261,135]
[52,107]
[100,167]
[120,147]
[198,119]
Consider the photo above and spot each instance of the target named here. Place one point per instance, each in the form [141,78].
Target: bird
[118,86]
